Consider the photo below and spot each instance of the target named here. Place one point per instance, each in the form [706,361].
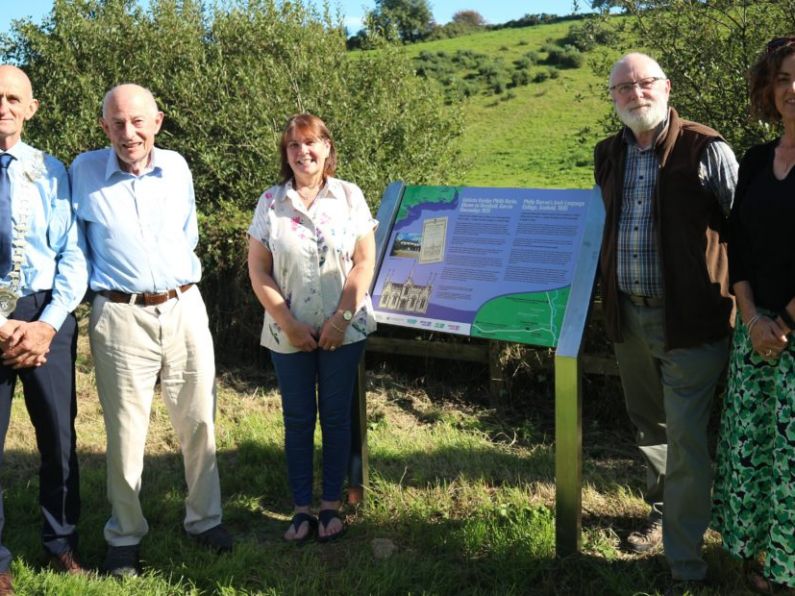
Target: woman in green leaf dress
[754,494]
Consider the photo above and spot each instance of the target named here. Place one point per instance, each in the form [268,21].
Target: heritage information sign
[496,263]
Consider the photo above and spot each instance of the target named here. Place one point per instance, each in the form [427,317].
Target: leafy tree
[531,20]
[589,34]
[464,22]
[227,79]
[706,49]
[604,4]
[407,20]
[470,18]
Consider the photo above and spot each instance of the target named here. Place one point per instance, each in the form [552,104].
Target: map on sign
[486,262]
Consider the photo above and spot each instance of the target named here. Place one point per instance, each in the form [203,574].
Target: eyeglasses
[778,43]
[643,84]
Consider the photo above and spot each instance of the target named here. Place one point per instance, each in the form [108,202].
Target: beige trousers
[131,347]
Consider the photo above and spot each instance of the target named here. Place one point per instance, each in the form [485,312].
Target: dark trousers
[315,382]
[669,397]
[52,406]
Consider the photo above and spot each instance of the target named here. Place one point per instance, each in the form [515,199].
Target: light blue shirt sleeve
[140,231]
[71,270]
[54,257]
[191,228]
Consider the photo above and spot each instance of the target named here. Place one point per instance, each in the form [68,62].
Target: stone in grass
[383,548]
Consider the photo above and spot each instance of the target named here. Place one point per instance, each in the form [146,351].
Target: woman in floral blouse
[311,258]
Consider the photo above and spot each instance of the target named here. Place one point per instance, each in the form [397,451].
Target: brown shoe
[6,586]
[67,562]
[647,539]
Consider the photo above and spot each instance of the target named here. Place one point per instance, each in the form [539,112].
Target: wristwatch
[347,315]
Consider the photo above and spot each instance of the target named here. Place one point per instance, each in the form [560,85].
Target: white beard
[643,120]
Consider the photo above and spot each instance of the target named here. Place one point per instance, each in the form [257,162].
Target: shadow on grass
[489,552]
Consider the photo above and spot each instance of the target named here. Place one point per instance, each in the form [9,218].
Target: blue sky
[494,11]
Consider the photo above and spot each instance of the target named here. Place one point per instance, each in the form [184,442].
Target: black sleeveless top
[762,236]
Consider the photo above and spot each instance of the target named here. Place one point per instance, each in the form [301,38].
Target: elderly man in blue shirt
[136,207]
[42,279]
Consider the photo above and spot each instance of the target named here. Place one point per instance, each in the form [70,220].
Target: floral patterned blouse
[312,255]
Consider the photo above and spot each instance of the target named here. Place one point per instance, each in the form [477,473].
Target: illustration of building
[407,296]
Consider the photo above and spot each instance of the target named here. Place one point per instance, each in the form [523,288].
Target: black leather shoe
[686,587]
[122,561]
[216,538]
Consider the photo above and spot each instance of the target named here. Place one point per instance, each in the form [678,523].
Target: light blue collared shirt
[53,256]
[141,231]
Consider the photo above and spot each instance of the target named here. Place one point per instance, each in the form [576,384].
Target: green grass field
[461,501]
[536,138]
[461,498]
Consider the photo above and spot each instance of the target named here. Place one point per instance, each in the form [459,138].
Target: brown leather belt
[145,299]
[645,300]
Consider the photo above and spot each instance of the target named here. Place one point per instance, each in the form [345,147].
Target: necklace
[308,193]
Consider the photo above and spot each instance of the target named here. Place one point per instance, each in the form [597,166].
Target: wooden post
[498,388]
[358,467]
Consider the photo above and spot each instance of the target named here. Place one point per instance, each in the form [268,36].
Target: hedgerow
[227,78]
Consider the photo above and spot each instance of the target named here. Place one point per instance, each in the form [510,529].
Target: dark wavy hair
[762,80]
[311,126]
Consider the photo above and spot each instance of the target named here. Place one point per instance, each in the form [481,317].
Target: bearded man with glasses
[667,184]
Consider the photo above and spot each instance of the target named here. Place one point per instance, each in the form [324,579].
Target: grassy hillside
[532,138]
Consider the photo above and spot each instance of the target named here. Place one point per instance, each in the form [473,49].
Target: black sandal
[325,516]
[755,579]
[300,518]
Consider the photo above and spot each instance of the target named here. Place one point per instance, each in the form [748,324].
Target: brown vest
[690,232]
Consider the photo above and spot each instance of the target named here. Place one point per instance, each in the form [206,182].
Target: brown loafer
[6,584]
[66,562]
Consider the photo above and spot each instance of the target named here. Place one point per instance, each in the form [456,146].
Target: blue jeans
[311,382]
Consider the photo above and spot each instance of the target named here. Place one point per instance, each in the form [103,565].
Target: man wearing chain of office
[43,277]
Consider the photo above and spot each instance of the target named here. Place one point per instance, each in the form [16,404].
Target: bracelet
[337,328]
[787,318]
[754,320]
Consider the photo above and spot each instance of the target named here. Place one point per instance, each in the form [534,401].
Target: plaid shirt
[639,267]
